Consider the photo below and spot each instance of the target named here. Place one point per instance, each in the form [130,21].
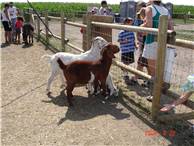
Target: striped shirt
[129,46]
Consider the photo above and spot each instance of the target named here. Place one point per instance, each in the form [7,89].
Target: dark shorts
[127,58]
[7,26]
[18,30]
[142,61]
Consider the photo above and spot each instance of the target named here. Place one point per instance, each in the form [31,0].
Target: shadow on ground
[27,45]
[87,107]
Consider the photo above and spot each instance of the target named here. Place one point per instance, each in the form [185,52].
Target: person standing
[6,21]
[127,45]
[18,26]
[13,14]
[104,9]
[142,62]
[153,12]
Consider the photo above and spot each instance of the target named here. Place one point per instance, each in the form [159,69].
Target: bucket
[169,61]
[117,17]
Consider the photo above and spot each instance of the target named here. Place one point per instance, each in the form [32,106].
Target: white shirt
[103,11]
[161,9]
[13,12]
[4,18]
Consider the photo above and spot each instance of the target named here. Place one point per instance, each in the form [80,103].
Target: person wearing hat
[153,12]
[127,46]
[140,41]
[140,5]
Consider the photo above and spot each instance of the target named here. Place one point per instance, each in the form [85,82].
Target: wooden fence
[162,34]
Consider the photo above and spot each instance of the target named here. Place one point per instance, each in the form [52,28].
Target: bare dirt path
[30,117]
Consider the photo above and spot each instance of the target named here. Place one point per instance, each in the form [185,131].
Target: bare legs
[151,66]
[113,89]
[184,97]
[8,36]
[17,38]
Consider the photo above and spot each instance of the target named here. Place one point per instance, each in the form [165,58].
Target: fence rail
[76,24]
[178,42]
[185,43]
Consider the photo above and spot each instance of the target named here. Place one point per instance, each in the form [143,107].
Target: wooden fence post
[38,29]
[160,64]
[62,31]
[46,30]
[185,18]
[89,31]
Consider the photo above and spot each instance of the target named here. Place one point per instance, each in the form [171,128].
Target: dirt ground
[30,117]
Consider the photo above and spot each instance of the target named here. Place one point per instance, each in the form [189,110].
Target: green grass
[181,9]
[65,7]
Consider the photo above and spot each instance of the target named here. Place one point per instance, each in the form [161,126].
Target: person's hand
[9,22]
[136,46]
[126,41]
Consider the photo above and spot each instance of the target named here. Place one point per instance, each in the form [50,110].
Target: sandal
[167,107]
[149,98]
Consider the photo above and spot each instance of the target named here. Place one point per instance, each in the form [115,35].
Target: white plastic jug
[169,61]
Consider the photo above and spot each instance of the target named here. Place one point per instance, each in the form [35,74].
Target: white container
[169,61]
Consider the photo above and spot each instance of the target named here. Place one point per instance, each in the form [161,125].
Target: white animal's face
[98,43]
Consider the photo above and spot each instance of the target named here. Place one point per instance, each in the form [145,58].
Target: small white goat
[91,55]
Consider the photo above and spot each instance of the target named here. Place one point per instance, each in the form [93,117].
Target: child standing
[18,27]
[127,46]
[142,62]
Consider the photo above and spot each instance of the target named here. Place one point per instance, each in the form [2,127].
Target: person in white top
[13,14]
[104,9]
[153,12]
[6,21]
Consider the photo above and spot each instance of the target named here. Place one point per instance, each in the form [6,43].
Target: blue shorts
[127,58]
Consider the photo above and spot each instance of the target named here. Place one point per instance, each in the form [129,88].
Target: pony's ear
[108,45]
